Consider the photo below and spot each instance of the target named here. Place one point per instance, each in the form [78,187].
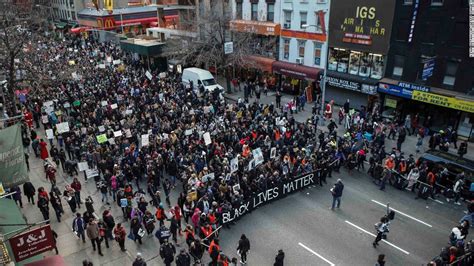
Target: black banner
[270,195]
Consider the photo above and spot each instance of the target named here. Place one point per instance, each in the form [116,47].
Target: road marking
[385,241]
[440,202]
[404,214]
[312,251]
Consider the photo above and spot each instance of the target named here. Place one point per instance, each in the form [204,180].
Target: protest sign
[49,134]
[83,166]
[273,152]
[234,165]
[128,133]
[111,141]
[207,138]
[271,194]
[116,62]
[101,138]
[103,103]
[91,173]
[113,106]
[76,103]
[148,75]
[101,128]
[251,165]
[145,140]
[118,133]
[188,132]
[67,105]
[63,127]
[258,156]
[208,177]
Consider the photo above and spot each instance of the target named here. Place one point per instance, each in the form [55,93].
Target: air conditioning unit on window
[300,60]
[287,25]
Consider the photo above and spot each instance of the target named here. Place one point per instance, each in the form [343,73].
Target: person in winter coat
[76,185]
[120,235]
[196,250]
[243,248]
[43,146]
[92,231]
[29,191]
[279,258]
[380,260]
[149,222]
[412,178]
[17,195]
[109,222]
[56,203]
[336,191]
[183,259]
[78,226]
[139,261]
[135,227]
[43,203]
[167,252]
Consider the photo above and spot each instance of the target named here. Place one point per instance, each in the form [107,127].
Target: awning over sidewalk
[259,62]
[52,260]
[295,70]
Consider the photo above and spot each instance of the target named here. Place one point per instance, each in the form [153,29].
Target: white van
[197,76]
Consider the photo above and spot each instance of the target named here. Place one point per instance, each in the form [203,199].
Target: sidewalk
[408,147]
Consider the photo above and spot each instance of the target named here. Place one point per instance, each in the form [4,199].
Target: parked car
[200,76]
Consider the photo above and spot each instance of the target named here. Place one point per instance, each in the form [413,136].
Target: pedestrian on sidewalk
[76,185]
[279,258]
[120,235]
[93,234]
[183,259]
[43,203]
[139,261]
[380,260]
[167,252]
[336,191]
[278,98]
[243,248]
[78,226]
[29,191]
[17,196]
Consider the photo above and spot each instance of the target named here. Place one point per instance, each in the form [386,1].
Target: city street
[301,224]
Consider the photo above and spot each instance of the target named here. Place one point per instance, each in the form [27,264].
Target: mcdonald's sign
[106,23]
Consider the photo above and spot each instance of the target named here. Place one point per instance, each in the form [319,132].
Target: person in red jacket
[120,235]
[76,185]
[43,150]
[51,174]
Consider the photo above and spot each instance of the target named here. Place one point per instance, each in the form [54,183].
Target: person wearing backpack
[382,230]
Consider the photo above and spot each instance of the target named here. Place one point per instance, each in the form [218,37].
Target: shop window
[354,63]
[398,63]
[270,12]
[301,45]
[286,49]
[365,65]
[254,15]
[378,64]
[238,7]
[303,19]
[436,2]
[338,60]
[450,76]
[317,53]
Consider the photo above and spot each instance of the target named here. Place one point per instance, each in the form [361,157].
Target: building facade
[429,71]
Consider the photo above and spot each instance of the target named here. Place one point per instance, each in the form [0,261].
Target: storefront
[447,107]
[296,79]
[360,91]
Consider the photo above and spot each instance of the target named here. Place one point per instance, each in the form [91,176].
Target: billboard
[363,25]
[32,242]
[12,157]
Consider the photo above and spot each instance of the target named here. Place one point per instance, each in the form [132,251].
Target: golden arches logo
[109,23]
[109,4]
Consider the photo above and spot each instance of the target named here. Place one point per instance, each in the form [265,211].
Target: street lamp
[323,87]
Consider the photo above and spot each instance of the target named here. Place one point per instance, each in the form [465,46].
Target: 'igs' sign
[31,243]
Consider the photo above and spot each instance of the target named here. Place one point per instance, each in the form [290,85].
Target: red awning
[295,70]
[171,17]
[135,21]
[48,261]
[259,62]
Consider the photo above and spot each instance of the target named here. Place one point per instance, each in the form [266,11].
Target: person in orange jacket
[214,251]
[160,214]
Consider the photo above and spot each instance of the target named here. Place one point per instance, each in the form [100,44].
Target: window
[408,2]
[254,12]
[270,12]
[365,65]
[287,15]
[303,19]
[399,62]
[73,15]
[378,64]
[317,53]
[238,13]
[286,49]
[450,76]
[436,2]
[354,63]
[338,60]
[301,45]
[317,22]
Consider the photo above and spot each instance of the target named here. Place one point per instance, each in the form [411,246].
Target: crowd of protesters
[155,131]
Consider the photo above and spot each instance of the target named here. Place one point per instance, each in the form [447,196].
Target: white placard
[207,138]
[128,112]
[101,128]
[117,62]
[188,132]
[49,134]
[48,103]
[251,165]
[145,140]
[128,133]
[111,141]
[258,156]
[117,133]
[84,130]
[63,127]
[67,105]
[148,75]
[234,165]
[102,66]
[165,136]
[49,109]
[92,173]
[109,59]
[103,103]
[113,106]
[83,166]
[208,177]
[273,152]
